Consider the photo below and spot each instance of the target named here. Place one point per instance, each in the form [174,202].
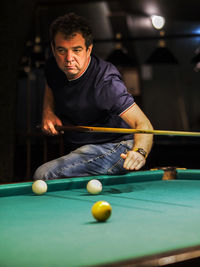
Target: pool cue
[124,130]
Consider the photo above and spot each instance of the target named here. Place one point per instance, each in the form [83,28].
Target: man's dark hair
[68,25]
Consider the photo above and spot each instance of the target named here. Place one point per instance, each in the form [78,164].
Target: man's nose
[69,56]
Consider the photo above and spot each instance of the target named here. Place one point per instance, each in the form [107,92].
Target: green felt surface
[57,229]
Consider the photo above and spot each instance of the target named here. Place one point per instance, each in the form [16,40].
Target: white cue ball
[94,187]
[39,187]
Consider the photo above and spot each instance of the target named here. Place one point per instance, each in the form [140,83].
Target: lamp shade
[119,57]
[162,55]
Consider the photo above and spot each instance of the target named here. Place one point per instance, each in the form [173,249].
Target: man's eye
[61,51]
[77,50]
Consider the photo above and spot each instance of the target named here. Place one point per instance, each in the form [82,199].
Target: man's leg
[85,161]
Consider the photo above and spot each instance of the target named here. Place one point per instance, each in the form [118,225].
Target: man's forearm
[144,141]
[48,104]
[137,120]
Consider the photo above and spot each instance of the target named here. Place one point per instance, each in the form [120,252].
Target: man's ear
[89,50]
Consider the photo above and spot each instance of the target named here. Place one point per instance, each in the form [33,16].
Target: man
[82,89]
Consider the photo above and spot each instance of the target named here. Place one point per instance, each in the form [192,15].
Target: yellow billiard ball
[39,187]
[94,187]
[101,210]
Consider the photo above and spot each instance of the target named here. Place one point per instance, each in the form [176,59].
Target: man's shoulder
[50,62]
[101,62]
[52,69]
[103,67]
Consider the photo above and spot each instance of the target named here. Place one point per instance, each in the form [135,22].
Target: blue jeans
[85,161]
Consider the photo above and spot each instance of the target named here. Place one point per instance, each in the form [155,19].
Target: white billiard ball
[39,187]
[94,187]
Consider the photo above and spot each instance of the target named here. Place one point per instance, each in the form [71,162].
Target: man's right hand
[49,122]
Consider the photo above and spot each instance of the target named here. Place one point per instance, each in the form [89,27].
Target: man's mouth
[69,67]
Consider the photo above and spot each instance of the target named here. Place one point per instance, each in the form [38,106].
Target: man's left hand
[133,160]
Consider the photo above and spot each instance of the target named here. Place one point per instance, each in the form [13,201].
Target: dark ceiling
[176,9]
[129,17]
[187,10]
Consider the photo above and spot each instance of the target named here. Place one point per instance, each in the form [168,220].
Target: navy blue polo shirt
[97,98]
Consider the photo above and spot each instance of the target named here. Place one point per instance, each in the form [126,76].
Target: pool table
[155,221]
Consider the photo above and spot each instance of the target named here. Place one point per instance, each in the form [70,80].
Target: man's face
[71,54]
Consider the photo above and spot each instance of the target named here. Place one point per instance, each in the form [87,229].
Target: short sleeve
[114,95]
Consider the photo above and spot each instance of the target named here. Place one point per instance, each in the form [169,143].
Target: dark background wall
[168,93]
[16,18]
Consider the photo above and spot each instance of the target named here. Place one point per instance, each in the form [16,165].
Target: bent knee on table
[43,172]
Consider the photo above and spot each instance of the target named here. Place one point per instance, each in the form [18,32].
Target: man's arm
[137,120]
[49,119]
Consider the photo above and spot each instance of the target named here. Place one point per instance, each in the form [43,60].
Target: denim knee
[41,173]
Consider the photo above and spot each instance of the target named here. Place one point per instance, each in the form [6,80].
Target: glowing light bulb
[158,22]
